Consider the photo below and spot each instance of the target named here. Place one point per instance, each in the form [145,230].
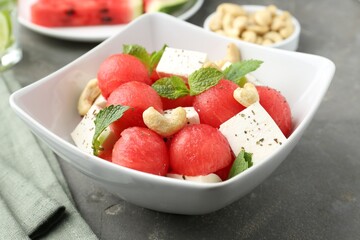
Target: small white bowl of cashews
[262,25]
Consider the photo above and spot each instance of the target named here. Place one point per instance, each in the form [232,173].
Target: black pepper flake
[236,135]
[242,115]
[245,132]
[260,141]
[183,177]
[253,112]
[70,12]
[104,10]
[106,19]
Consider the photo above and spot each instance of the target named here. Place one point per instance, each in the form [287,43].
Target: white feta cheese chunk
[84,131]
[210,178]
[225,65]
[254,130]
[180,62]
[191,115]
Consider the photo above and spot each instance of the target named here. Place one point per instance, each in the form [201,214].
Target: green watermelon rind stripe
[172,8]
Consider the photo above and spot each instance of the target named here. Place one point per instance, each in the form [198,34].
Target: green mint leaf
[156,56]
[103,119]
[203,79]
[139,52]
[236,72]
[171,87]
[242,162]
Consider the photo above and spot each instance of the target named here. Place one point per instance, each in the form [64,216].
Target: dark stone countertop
[314,194]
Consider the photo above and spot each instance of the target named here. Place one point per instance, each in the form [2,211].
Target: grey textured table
[314,194]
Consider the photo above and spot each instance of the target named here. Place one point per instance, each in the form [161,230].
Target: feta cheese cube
[180,62]
[254,130]
[84,132]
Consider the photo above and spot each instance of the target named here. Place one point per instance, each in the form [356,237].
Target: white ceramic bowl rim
[28,106]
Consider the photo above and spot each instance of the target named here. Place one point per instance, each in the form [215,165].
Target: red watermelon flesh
[217,104]
[118,69]
[132,94]
[277,107]
[186,101]
[199,149]
[53,13]
[141,149]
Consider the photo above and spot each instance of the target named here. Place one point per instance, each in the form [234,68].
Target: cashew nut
[88,96]
[258,29]
[249,36]
[267,42]
[240,23]
[233,9]
[246,95]
[216,21]
[272,9]
[227,21]
[287,31]
[285,15]
[273,36]
[277,24]
[211,65]
[263,17]
[232,53]
[165,125]
[259,40]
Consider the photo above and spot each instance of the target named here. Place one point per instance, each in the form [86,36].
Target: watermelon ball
[199,149]
[143,150]
[186,101]
[119,69]
[217,104]
[224,172]
[138,96]
[106,155]
[277,107]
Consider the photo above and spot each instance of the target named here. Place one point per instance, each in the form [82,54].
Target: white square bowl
[48,107]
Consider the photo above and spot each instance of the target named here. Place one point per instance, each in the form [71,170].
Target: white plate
[91,33]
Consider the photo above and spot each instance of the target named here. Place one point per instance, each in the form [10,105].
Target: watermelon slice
[166,6]
[52,13]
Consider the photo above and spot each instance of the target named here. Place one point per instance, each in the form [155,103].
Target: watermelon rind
[137,6]
[166,6]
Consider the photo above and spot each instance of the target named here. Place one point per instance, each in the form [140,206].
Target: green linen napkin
[35,201]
